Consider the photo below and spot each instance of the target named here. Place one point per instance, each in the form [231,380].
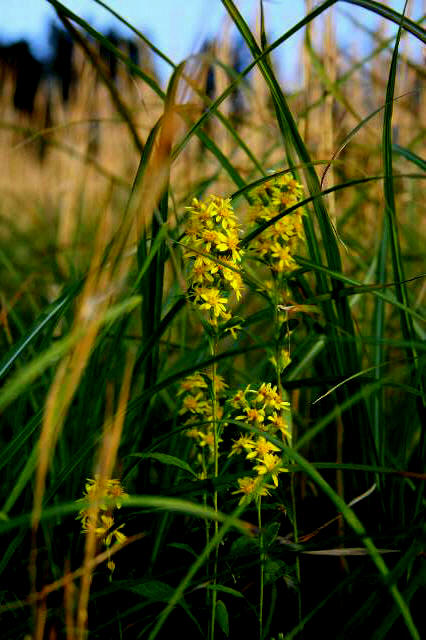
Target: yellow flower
[241,445]
[270,463]
[277,243]
[260,448]
[210,237]
[233,330]
[254,415]
[279,424]
[207,440]
[232,277]
[270,396]
[230,242]
[282,259]
[239,399]
[251,487]
[283,359]
[105,525]
[215,301]
[219,382]
[191,382]
[194,404]
[112,489]
[192,433]
[203,270]
[223,212]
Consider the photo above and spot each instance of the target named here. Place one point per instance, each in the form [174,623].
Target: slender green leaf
[165,458]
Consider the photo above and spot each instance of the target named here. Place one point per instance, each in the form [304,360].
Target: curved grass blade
[409,155]
[20,439]
[202,558]
[392,226]
[366,289]
[167,459]
[175,377]
[355,130]
[160,503]
[109,46]
[233,85]
[390,14]
[50,315]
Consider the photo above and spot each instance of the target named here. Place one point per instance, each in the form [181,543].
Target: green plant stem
[213,349]
[207,523]
[293,494]
[262,568]
[277,338]
[296,538]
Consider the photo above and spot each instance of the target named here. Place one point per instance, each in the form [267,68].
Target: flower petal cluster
[100,517]
[197,411]
[276,245]
[213,253]
[262,407]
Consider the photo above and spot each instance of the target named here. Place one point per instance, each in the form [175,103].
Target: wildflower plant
[99,517]
[275,247]
[91,287]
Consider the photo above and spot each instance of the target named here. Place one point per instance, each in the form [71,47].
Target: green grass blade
[392,15]
[392,223]
[365,289]
[50,315]
[409,155]
[150,502]
[378,329]
[109,46]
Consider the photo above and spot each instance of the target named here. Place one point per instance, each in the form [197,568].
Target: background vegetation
[98,333]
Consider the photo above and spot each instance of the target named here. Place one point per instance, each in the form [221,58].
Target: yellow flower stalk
[99,518]
[276,245]
[264,408]
[197,412]
[213,255]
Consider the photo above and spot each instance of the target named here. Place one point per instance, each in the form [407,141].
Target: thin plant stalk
[292,488]
[262,565]
[213,350]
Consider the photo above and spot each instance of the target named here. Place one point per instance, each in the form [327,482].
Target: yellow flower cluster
[101,519]
[212,246]
[260,407]
[197,409]
[276,245]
